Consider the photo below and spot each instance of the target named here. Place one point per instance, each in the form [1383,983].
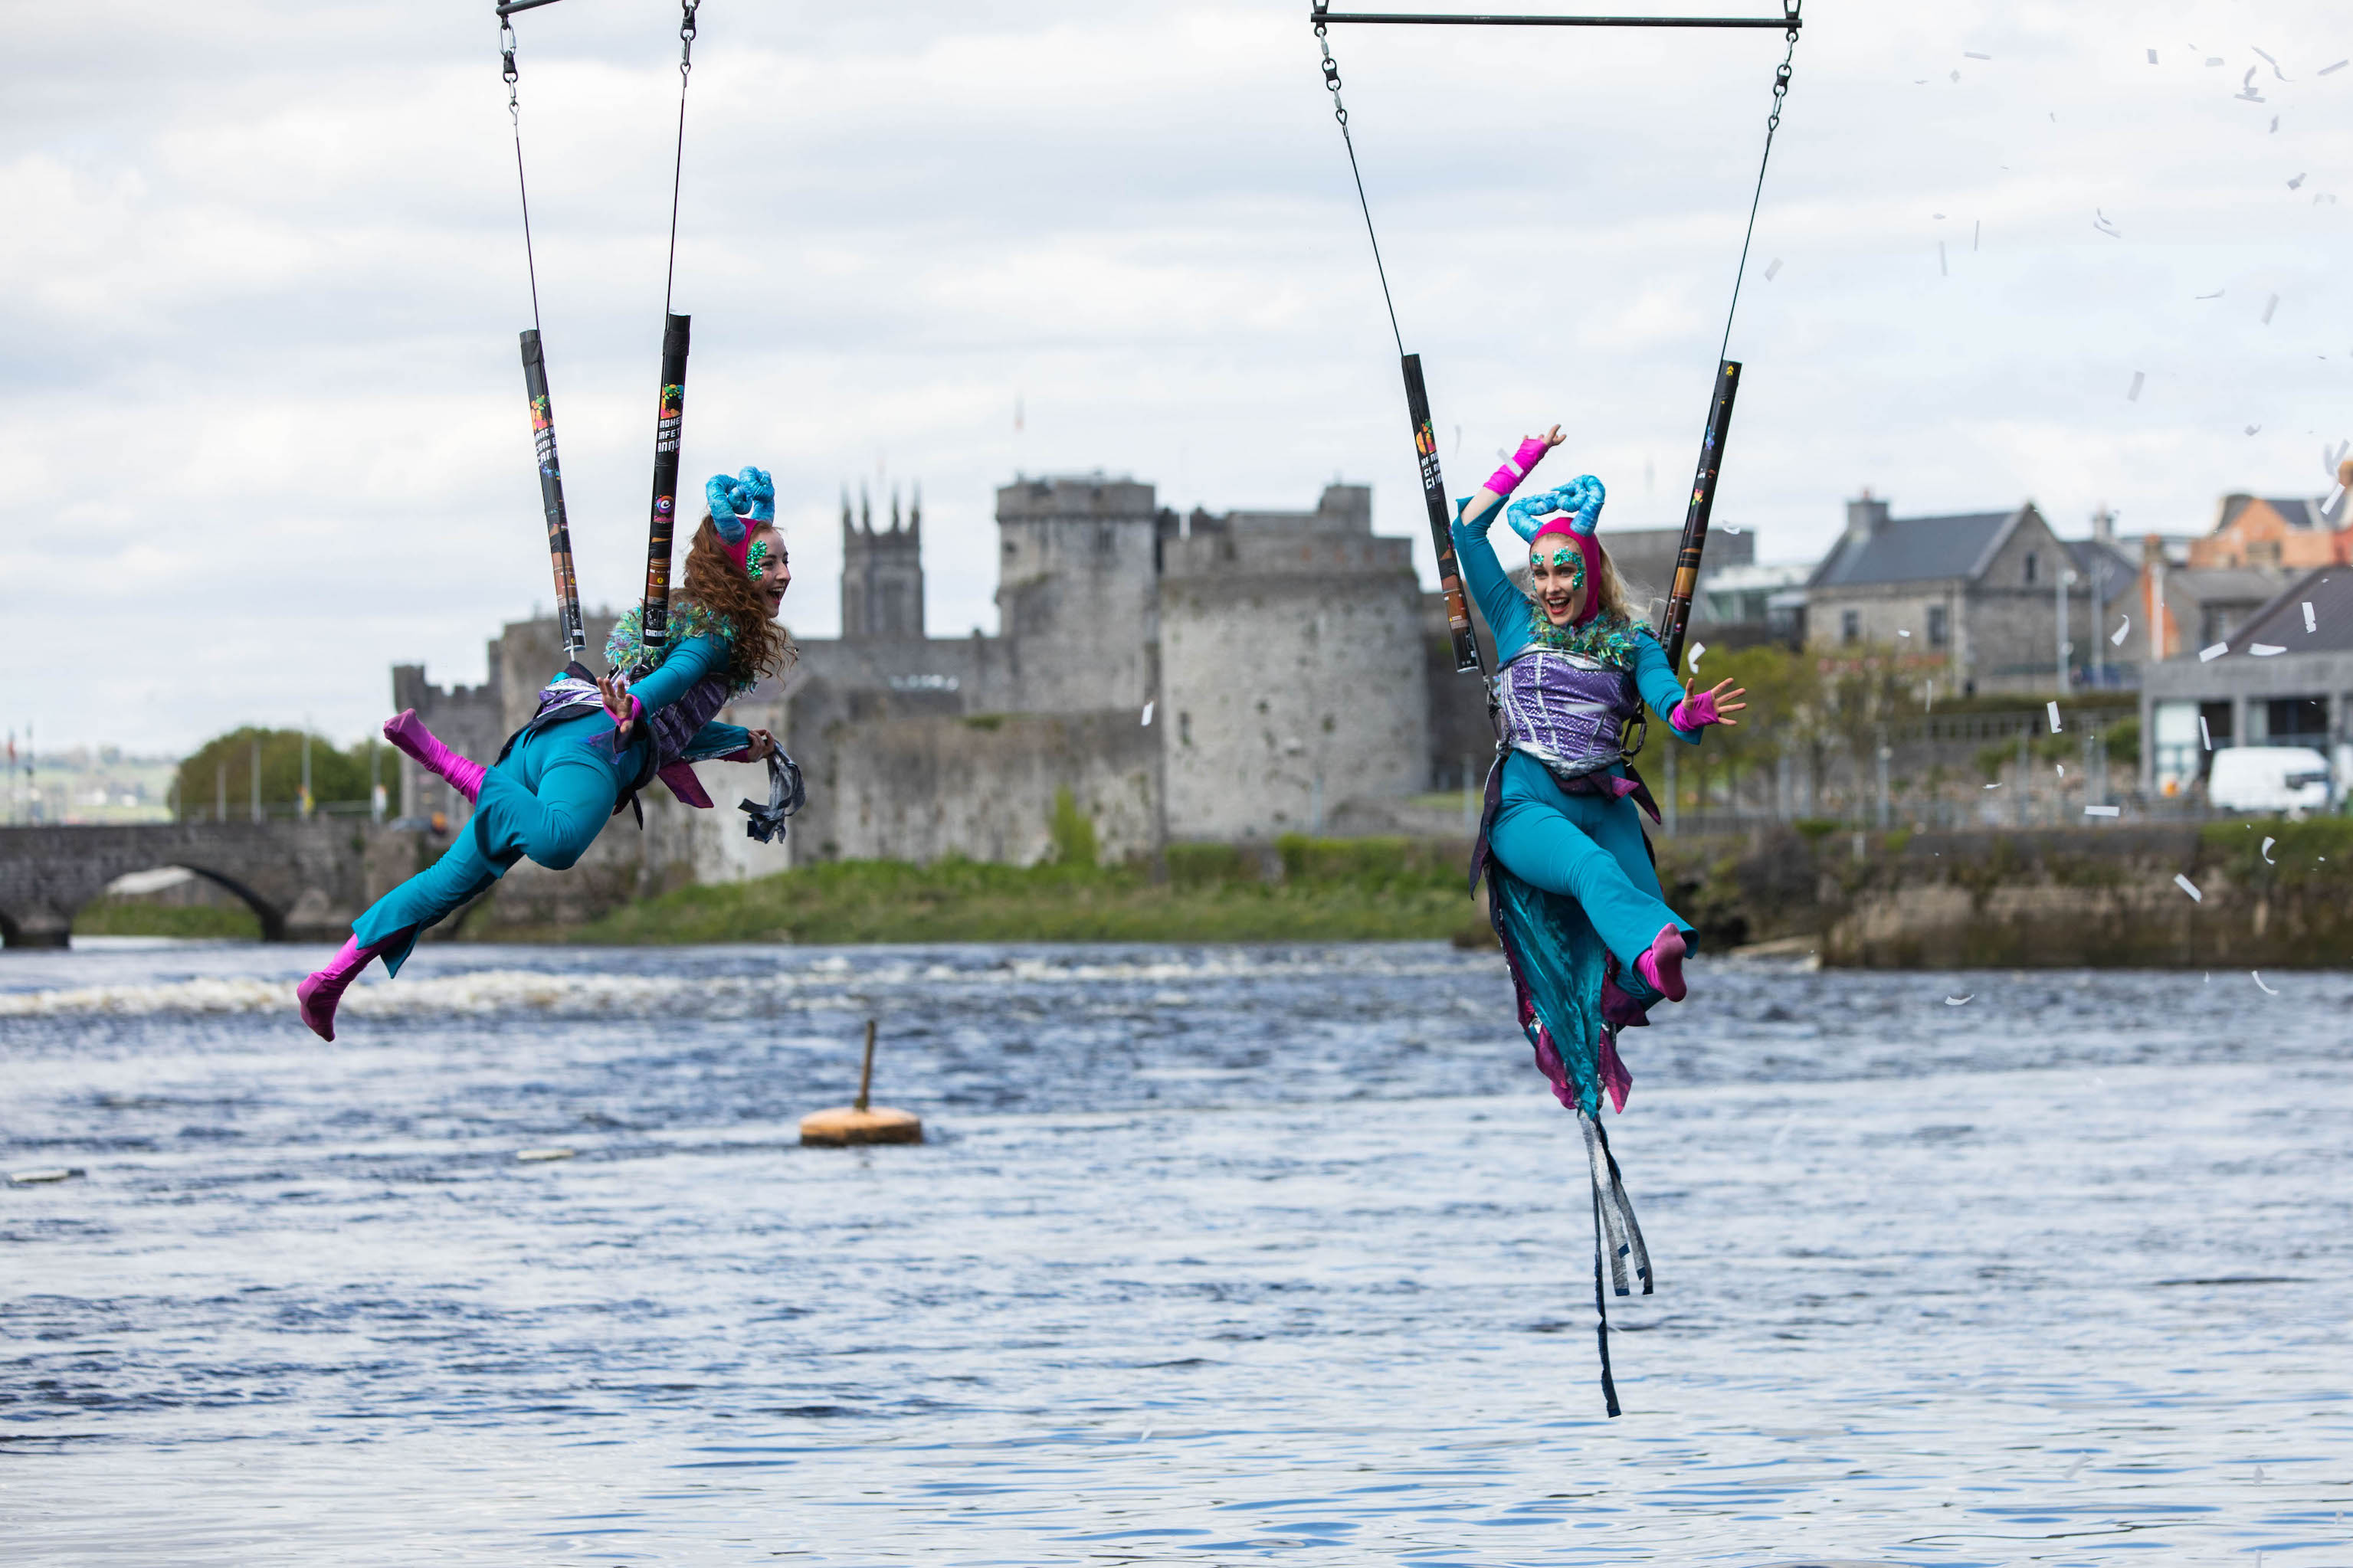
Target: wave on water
[823,983]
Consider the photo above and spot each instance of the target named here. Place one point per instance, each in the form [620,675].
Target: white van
[2268,778]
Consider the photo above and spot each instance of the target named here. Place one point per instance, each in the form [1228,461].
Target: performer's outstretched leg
[317,995]
[407,732]
[1596,859]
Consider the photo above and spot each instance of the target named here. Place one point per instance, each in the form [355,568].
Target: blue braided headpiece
[750,494]
[1580,498]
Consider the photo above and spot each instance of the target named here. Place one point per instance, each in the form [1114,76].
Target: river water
[1214,1255]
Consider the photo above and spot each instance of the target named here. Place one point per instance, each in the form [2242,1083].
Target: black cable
[1772,123]
[677,165]
[1340,113]
[514,113]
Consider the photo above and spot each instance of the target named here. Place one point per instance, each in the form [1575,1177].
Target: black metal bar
[670,415]
[1703,508]
[551,498]
[509,7]
[1441,534]
[1448,19]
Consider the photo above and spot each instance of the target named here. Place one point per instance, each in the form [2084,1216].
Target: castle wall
[1295,675]
[918,788]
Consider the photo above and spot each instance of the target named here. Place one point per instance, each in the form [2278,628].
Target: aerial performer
[1586,931]
[597,740]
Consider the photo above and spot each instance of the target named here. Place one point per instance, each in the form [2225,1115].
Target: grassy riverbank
[1328,891]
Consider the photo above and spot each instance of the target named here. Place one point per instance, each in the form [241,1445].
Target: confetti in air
[2204,738]
[1774,270]
[2309,624]
[2134,396]
[2117,638]
[1692,663]
[2209,655]
[1942,271]
[2264,649]
[2102,811]
[2266,851]
[2268,992]
[2053,708]
[2332,70]
[2189,887]
[2292,184]
[2152,57]
[1959,1001]
[1148,716]
[2273,303]
[1973,55]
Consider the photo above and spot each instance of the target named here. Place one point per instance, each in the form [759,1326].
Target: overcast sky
[264,432]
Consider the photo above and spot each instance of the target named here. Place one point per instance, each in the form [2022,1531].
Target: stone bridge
[303,880]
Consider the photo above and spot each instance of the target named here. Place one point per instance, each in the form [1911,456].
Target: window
[1849,625]
[2033,563]
[1941,631]
[2296,722]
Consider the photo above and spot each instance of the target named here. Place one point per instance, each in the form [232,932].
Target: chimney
[2104,525]
[1865,518]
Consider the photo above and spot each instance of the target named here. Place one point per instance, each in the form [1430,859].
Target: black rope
[1340,113]
[677,165]
[514,113]
[1772,123]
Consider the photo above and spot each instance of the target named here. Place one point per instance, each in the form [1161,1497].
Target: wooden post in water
[862,1123]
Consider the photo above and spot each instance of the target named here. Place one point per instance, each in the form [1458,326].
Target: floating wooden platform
[846,1124]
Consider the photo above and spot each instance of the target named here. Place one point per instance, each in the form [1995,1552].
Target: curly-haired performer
[1586,930]
[595,741]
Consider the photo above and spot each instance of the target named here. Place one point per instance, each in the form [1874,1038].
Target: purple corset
[675,727]
[1564,709]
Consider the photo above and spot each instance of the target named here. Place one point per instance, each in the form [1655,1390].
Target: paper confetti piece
[1973,55]
[2209,655]
[538,1156]
[2272,304]
[1902,633]
[2292,184]
[2215,295]
[2266,851]
[2152,57]
[2117,640]
[2053,708]
[2268,992]
[2309,624]
[2189,887]
[2134,396]
[1148,716]
[2332,70]
[2213,60]
[2102,811]
[2204,738]
[1774,270]
[1993,786]
[1959,1001]
[1691,663]
[2264,649]
[1942,271]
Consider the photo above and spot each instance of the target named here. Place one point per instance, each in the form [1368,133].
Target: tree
[335,775]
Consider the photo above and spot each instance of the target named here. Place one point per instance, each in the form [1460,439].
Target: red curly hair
[759,646]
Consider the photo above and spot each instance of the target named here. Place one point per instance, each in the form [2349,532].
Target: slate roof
[1915,549]
[2301,511]
[2280,623]
[2108,569]
[2227,585]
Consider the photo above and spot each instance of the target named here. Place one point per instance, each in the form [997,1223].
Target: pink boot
[1662,966]
[407,732]
[319,994]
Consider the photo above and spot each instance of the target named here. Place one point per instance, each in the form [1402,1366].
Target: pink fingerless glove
[1506,479]
[1695,711]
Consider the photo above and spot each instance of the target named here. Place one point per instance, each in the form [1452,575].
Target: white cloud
[263,429]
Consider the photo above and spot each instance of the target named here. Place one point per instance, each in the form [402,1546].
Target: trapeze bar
[1442,19]
[509,7]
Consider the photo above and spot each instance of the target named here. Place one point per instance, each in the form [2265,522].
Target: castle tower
[1078,592]
[881,573]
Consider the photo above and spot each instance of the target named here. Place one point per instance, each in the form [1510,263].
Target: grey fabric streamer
[787,795]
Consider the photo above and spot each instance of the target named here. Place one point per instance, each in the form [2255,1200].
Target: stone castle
[1225,676]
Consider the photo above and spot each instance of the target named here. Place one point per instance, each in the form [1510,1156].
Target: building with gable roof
[1975,600]
[2270,534]
[2283,677]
